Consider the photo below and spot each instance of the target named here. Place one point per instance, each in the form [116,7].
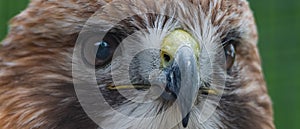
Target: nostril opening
[167,58]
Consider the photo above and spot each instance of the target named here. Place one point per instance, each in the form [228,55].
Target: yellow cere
[169,46]
[174,40]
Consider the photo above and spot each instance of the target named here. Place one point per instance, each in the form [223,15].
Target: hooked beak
[179,54]
[179,66]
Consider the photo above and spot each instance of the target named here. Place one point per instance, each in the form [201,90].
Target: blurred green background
[278,23]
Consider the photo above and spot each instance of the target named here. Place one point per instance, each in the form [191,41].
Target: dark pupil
[103,51]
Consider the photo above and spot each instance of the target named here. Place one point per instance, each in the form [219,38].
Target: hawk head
[133,64]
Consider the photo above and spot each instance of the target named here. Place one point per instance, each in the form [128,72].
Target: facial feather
[36,82]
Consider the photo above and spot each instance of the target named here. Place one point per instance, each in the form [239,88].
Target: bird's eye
[104,53]
[230,55]
[103,50]
[98,52]
[106,49]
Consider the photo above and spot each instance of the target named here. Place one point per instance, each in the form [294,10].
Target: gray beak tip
[185,120]
[182,81]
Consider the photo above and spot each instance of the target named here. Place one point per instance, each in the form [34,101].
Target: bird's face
[136,64]
[166,64]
